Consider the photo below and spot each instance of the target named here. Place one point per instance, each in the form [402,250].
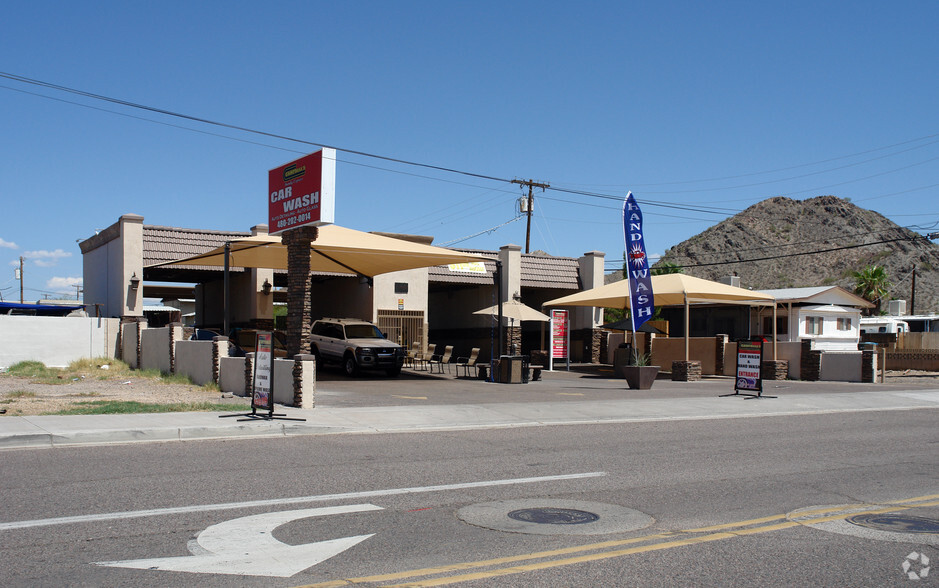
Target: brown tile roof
[166,244]
[537,271]
[163,244]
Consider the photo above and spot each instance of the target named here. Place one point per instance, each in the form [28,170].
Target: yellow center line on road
[723,531]
[409,397]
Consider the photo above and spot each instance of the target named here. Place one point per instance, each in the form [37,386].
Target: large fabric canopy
[335,250]
[668,290]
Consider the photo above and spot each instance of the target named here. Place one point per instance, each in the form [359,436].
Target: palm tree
[667,267]
[872,284]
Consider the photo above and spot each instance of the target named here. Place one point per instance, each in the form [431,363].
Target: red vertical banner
[560,334]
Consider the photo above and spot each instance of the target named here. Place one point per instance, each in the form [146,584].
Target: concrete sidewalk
[65,431]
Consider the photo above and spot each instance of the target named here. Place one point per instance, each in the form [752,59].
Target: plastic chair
[468,362]
[441,360]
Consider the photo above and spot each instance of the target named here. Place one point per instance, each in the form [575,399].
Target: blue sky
[709,106]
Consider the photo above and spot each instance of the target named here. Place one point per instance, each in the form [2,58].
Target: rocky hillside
[783,243]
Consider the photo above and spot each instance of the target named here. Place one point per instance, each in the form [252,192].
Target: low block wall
[701,349]
[196,360]
[841,366]
[231,375]
[57,341]
[912,359]
[155,349]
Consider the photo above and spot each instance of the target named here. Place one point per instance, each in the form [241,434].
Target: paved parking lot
[583,382]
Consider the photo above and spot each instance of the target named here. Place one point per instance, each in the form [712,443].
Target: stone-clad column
[299,302]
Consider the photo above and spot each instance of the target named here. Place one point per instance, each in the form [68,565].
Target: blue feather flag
[638,278]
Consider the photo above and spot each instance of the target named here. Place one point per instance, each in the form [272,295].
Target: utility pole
[21,279]
[913,292]
[531,201]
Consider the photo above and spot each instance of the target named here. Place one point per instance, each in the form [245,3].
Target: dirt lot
[21,396]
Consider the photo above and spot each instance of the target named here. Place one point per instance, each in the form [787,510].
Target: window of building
[813,325]
[782,325]
[844,324]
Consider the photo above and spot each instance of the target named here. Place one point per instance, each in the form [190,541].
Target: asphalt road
[680,503]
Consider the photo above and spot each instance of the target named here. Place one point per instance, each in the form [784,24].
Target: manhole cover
[553,516]
[547,516]
[896,523]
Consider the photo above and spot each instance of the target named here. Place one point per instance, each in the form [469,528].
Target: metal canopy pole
[499,281]
[226,295]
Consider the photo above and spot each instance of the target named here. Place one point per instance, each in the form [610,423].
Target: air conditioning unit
[731,281]
[896,307]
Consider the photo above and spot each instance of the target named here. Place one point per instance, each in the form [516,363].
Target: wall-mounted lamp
[517,297]
[134,281]
[266,287]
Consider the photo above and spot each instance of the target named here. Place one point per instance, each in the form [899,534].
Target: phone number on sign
[293,220]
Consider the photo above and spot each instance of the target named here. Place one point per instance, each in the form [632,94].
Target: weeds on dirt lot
[132,407]
[99,369]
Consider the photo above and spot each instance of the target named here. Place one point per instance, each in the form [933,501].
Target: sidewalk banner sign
[263,396]
[302,192]
[560,338]
[749,376]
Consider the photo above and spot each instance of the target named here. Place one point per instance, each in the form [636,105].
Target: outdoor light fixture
[134,281]
[266,287]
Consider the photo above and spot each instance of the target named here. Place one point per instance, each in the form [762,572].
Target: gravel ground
[22,396]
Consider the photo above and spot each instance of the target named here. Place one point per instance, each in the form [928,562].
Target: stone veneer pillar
[686,371]
[811,362]
[868,366]
[299,288]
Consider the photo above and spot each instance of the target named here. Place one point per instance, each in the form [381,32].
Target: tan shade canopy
[515,310]
[668,290]
[335,250]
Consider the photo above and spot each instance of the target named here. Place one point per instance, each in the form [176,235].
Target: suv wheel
[319,359]
[351,368]
[393,372]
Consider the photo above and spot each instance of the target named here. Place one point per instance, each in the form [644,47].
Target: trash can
[510,369]
[622,356]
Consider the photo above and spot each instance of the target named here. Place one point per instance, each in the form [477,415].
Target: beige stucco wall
[56,341]
[841,366]
[385,298]
[155,349]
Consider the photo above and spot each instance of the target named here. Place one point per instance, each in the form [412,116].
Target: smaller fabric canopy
[668,290]
[335,250]
[515,310]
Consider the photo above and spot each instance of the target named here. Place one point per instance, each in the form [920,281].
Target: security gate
[403,326]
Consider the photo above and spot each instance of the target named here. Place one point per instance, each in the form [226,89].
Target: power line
[154,109]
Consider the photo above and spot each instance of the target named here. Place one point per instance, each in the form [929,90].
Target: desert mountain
[785,243]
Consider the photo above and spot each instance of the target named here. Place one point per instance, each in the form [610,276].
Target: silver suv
[355,345]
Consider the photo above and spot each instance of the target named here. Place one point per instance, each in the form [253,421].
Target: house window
[844,324]
[782,325]
[813,325]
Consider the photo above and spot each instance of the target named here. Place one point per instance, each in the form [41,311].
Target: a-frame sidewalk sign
[262,396]
[749,375]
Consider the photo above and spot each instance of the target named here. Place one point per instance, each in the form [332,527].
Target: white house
[828,315]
